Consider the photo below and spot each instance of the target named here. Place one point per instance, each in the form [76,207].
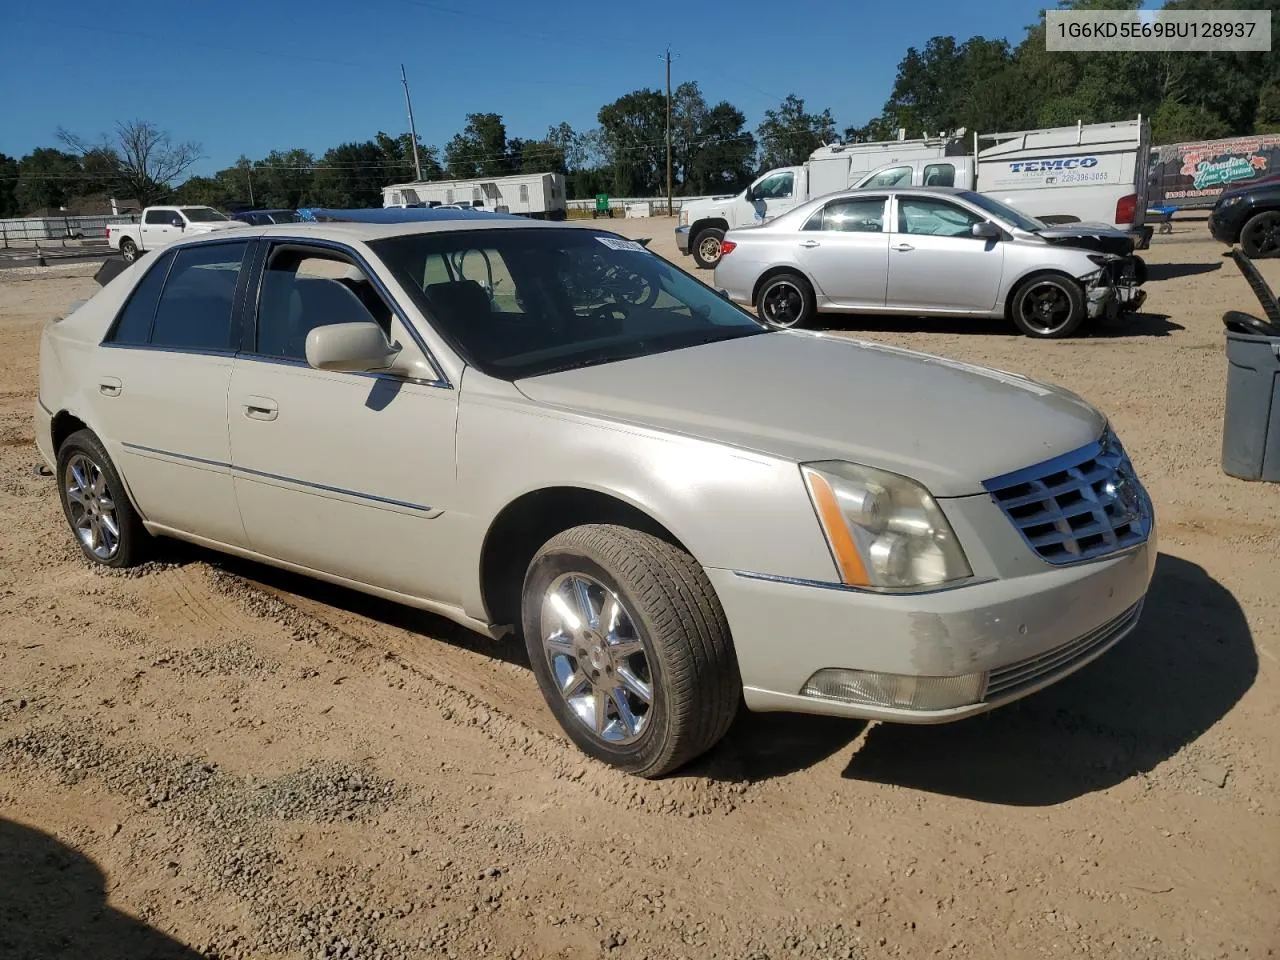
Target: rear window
[133,326]
[197,303]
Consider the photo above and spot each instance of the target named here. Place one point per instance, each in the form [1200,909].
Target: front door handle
[260,408]
[811,243]
[109,386]
[902,247]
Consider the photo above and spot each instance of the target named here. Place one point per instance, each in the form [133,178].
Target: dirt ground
[211,758]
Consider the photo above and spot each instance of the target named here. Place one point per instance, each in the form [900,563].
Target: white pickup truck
[1087,173]
[161,226]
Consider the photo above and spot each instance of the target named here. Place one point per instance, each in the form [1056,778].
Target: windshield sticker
[616,243]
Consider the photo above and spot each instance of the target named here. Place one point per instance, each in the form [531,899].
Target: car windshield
[523,302]
[1004,212]
[203,214]
[283,216]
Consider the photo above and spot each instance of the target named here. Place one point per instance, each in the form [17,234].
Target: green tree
[480,149]
[1179,122]
[47,179]
[350,175]
[397,154]
[206,192]
[284,179]
[633,139]
[789,134]
[8,186]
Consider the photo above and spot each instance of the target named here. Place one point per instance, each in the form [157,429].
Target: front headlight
[684,218]
[885,531]
[1230,201]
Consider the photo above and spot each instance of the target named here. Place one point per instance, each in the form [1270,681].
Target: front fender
[731,508]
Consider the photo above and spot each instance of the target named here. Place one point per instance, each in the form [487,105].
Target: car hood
[805,396]
[1102,237]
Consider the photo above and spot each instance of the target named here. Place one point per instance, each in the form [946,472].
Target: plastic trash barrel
[1251,428]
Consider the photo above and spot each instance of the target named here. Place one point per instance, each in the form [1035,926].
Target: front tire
[630,648]
[128,250]
[786,301]
[96,505]
[1048,306]
[1260,236]
[705,247]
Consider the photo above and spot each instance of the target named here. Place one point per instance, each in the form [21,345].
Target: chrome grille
[1079,506]
[1028,672]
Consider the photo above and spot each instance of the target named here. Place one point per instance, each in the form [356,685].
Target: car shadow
[1127,325]
[762,746]
[53,904]
[1188,662]
[1171,271]
[388,612]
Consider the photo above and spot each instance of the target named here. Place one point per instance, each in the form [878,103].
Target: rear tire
[705,247]
[630,647]
[786,301]
[128,250]
[1048,306]
[97,506]
[1260,236]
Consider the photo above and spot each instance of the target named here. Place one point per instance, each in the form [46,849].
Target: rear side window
[199,295]
[134,325]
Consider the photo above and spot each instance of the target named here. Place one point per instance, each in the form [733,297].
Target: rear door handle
[260,408]
[811,243]
[902,247]
[109,386]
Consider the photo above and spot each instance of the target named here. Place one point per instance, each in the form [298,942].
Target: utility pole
[413,131]
[668,59]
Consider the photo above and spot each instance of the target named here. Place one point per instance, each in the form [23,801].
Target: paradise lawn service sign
[1188,175]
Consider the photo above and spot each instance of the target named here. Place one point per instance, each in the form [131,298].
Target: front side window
[777,187]
[197,304]
[937,218]
[204,215]
[133,327]
[520,303]
[850,215]
[304,288]
[164,217]
[893,177]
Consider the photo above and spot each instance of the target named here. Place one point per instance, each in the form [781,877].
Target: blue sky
[249,76]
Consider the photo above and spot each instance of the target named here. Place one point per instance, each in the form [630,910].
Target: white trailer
[538,195]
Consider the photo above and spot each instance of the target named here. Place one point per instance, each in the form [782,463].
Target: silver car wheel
[1045,306]
[709,249]
[782,304]
[93,512]
[597,658]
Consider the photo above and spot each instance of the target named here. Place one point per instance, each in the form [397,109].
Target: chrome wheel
[1045,306]
[596,658]
[709,249]
[782,304]
[91,509]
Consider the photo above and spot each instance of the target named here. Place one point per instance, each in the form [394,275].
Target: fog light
[865,688]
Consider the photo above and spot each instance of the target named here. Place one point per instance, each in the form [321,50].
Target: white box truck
[1087,173]
[538,195]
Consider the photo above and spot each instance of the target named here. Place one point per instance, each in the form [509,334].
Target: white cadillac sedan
[548,430]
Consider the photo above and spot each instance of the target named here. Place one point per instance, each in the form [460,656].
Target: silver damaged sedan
[930,251]
[551,432]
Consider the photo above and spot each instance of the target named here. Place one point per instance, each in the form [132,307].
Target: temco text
[1069,163]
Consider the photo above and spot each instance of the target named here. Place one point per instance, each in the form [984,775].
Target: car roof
[354,232]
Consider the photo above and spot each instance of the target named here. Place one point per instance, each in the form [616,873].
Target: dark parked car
[262,218]
[1249,215]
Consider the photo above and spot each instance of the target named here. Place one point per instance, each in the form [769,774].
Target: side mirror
[359,347]
[179,223]
[986,231]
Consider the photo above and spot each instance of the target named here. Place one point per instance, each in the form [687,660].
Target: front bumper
[682,239]
[1220,230]
[1023,633]
[1111,301]
[44,433]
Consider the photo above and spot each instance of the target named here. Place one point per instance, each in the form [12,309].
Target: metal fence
[36,229]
